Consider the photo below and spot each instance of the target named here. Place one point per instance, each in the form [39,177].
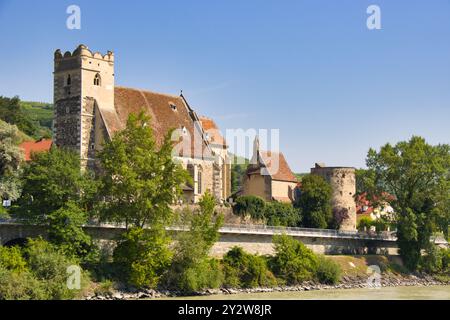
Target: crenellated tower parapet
[83,83]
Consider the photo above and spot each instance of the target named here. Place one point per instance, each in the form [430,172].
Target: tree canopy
[140,179]
[417,175]
[50,181]
[314,202]
[10,158]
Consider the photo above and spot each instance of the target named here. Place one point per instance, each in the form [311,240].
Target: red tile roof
[166,112]
[211,128]
[365,206]
[281,171]
[30,147]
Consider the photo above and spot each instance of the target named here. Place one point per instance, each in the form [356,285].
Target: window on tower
[97,80]
[69,80]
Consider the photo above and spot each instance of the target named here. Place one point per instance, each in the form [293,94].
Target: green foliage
[281,214]
[238,169]
[431,261]
[20,286]
[250,206]
[65,231]
[105,288]
[38,271]
[32,118]
[206,273]
[445,260]
[328,271]
[11,259]
[314,202]
[143,256]
[242,269]
[12,112]
[191,269]
[49,265]
[51,180]
[140,179]
[41,114]
[293,261]
[365,223]
[417,175]
[300,176]
[10,158]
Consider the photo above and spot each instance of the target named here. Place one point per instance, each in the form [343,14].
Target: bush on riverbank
[37,271]
[328,271]
[246,270]
[293,261]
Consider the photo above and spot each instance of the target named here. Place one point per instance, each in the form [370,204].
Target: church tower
[83,83]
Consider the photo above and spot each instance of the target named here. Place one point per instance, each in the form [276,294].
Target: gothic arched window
[69,80]
[97,80]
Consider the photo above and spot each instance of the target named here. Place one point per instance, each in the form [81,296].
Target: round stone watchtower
[343,183]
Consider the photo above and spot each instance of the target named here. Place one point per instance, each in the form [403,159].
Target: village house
[90,108]
[268,176]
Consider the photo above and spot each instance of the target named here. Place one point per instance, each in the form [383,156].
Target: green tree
[12,112]
[314,202]
[417,174]
[65,231]
[51,180]
[238,169]
[293,261]
[140,179]
[281,214]
[10,158]
[192,269]
[143,256]
[250,206]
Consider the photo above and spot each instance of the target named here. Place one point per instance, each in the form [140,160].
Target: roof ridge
[149,91]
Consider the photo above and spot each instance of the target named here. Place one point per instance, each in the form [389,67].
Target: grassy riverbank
[355,276]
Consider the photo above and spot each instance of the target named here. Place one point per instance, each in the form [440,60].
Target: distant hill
[32,118]
[39,112]
[300,175]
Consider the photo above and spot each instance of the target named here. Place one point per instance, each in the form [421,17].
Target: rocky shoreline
[346,282]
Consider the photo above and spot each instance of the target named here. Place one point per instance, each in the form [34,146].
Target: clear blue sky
[310,68]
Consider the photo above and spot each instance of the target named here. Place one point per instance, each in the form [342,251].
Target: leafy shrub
[364,224]
[246,270]
[38,271]
[431,261]
[48,265]
[250,206]
[202,275]
[192,269]
[293,261]
[11,259]
[445,259]
[143,256]
[281,214]
[105,288]
[328,271]
[20,286]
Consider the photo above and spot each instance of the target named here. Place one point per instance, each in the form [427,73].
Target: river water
[386,293]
